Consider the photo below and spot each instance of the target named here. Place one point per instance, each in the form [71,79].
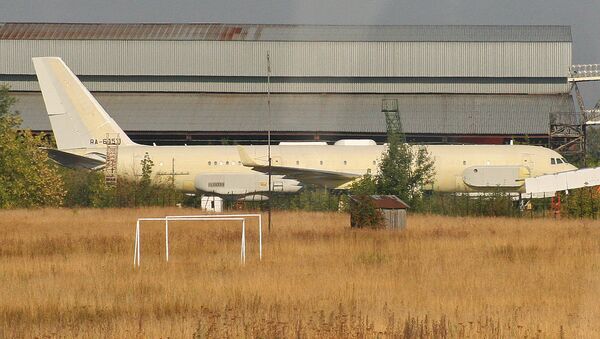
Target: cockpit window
[565,160]
[558,161]
[552,161]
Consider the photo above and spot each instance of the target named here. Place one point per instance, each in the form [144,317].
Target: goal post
[137,246]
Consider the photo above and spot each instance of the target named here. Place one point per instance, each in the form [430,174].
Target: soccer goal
[208,217]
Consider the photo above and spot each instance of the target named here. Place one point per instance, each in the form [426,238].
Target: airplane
[82,130]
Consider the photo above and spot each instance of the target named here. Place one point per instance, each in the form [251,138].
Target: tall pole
[269,135]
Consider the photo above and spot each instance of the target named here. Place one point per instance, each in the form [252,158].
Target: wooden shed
[391,207]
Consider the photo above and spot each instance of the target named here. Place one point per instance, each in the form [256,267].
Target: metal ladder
[112,156]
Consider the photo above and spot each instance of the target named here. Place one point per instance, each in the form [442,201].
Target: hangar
[207,83]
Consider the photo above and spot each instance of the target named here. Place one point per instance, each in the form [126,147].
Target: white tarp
[586,177]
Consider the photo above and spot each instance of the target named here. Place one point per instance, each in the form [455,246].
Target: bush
[364,214]
[27,177]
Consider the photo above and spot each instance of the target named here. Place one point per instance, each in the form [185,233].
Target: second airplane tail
[77,119]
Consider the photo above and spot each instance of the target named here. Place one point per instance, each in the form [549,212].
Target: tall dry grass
[69,273]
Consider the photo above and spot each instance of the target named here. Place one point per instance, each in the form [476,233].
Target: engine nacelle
[243,183]
[495,176]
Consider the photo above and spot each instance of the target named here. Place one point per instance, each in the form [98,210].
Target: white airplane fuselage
[185,164]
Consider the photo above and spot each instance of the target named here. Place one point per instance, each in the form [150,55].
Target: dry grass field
[69,273]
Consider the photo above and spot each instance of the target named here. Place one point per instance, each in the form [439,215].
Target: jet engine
[243,183]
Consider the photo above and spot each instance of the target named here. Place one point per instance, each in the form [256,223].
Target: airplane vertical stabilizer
[77,119]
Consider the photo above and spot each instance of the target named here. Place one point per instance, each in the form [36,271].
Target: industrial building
[207,83]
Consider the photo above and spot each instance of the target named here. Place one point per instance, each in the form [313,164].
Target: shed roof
[259,32]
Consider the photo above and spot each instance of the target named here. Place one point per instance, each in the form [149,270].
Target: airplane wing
[331,179]
[71,160]
[564,181]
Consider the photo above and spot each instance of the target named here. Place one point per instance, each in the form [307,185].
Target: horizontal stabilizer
[585,177]
[71,160]
[331,179]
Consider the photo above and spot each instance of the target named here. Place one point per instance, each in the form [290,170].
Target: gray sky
[583,16]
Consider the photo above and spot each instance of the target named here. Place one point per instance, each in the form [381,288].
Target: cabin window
[209,163]
[226,162]
[297,162]
[345,162]
[464,162]
[368,171]
[374,162]
[558,161]
[239,162]
[321,162]
[552,161]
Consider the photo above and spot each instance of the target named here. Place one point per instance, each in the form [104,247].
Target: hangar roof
[421,114]
[254,32]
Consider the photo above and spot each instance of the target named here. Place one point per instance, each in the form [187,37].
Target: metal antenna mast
[269,135]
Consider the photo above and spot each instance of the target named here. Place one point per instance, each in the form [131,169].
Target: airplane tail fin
[77,119]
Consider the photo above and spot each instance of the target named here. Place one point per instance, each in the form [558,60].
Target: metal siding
[354,59]
[423,114]
[306,87]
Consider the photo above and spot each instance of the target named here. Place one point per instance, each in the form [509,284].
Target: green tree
[145,187]
[593,146]
[404,171]
[27,177]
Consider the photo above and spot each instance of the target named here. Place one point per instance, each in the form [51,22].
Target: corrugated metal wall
[309,85]
[306,59]
[425,114]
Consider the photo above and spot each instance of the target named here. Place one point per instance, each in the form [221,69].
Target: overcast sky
[583,16]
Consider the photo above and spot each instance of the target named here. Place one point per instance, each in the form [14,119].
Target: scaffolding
[567,132]
[112,156]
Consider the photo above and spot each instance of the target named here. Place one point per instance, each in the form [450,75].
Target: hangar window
[552,161]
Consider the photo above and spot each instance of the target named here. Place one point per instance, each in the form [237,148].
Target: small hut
[391,207]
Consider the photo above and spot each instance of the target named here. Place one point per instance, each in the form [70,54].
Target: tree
[146,190]
[27,177]
[404,171]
